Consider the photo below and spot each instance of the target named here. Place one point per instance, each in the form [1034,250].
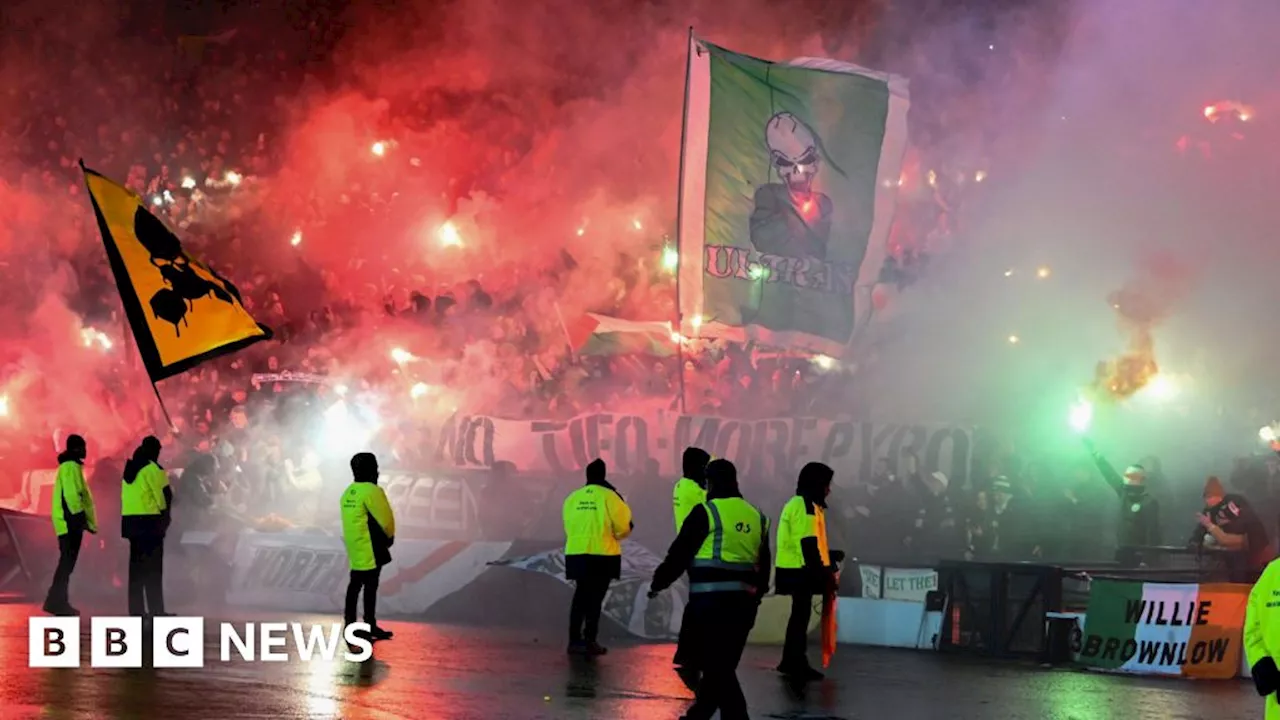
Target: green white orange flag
[789,176]
[1164,628]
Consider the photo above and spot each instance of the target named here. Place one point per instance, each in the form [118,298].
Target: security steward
[1262,636]
[805,566]
[369,531]
[724,546]
[1230,526]
[690,492]
[596,520]
[145,497]
[73,514]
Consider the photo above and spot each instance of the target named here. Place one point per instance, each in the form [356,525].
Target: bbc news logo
[178,642]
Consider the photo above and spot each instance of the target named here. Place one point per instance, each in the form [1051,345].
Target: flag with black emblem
[182,311]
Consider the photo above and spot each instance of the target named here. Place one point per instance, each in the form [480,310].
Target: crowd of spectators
[201,138]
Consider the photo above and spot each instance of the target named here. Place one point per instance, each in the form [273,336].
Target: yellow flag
[182,311]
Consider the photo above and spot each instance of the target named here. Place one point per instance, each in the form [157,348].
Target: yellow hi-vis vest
[795,524]
[1262,626]
[729,558]
[595,520]
[686,496]
[360,502]
[145,495]
[69,489]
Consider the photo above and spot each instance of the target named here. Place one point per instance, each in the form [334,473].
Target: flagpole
[684,128]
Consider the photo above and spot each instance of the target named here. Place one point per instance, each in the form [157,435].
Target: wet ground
[446,672]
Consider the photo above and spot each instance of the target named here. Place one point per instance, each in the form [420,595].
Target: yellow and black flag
[182,311]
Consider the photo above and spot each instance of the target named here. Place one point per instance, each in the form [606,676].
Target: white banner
[640,443]
[308,572]
[898,583]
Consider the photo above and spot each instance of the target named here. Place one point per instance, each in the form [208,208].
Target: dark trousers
[68,553]
[687,646]
[725,619]
[366,580]
[584,611]
[146,576]
[794,649]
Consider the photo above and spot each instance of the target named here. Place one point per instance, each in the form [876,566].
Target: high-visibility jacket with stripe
[729,558]
[368,525]
[145,495]
[596,519]
[686,496]
[1262,626]
[72,502]
[799,520]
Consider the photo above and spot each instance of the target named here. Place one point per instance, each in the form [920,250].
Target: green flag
[789,173]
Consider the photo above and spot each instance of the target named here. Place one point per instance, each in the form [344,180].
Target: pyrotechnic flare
[234,178]
[418,390]
[188,183]
[401,356]
[4,406]
[379,149]
[1081,416]
[1043,272]
[92,337]
[670,259]
[449,236]
[1267,433]
[636,224]
[296,239]
[824,362]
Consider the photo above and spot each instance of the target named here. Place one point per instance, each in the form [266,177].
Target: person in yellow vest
[724,546]
[73,514]
[804,564]
[369,531]
[1262,636]
[145,497]
[596,520]
[691,489]
[690,492]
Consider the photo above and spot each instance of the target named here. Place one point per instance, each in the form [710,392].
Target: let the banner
[789,173]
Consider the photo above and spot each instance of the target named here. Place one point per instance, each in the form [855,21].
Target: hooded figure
[596,520]
[691,489]
[724,546]
[805,563]
[73,513]
[144,518]
[690,492]
[368,530]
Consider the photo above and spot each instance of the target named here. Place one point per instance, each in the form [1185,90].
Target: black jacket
[1139,511]
[693,532]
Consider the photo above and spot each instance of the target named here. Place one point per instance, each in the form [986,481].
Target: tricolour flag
[1164,628]
[604,335]
[182,312]
[789,173]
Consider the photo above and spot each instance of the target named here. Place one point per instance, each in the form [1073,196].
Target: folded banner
[628,602]
[1164,629]
[182,312]
[789,174]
